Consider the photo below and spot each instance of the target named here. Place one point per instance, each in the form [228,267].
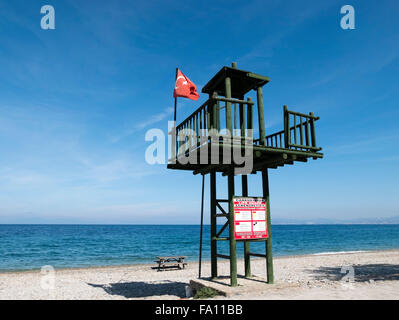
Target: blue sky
[76,102]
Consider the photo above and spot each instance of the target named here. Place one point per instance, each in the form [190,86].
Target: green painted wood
[220,208]
[250,117]
[306,126]
[223,256]
[242,121]
[214,111]
[202,227]
[278,159]
[174,142]
[247,244]
[218,115]
[305,147]
[208,118]
[197,134]
[232,242]
[235,118]
[234,100]
[265,149]
[222,239]
[261,118]
[287,139]
[312,129]
[308,116]
[269,252]
[214,271]
[258,76]
[229,120]
[201,124]
[257,255]
[301,130]
[183,142]
[206,124]
[190,133]
[222,229]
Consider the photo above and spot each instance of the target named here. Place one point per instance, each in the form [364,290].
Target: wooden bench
[171,262]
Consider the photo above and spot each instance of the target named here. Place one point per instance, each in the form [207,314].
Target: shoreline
[204,261]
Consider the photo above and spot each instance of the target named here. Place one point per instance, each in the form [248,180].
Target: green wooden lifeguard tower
[224,124]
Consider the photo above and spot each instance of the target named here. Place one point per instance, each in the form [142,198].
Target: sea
[30,247]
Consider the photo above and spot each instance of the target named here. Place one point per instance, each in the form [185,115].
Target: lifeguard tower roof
[241,82]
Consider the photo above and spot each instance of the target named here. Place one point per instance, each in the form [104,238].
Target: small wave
[336,252]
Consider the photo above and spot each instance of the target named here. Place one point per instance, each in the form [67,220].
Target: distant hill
[389,220]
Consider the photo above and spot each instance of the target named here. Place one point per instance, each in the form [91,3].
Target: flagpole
[177,70]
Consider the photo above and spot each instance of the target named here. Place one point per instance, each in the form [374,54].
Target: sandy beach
[375,274]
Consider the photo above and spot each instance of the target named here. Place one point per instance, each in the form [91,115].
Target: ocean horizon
[31,246]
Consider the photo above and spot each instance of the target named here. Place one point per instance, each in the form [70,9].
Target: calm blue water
[24,247]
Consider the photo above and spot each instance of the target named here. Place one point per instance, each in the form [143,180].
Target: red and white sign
[250,218]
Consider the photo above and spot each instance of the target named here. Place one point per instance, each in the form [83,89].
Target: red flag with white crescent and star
[185,88]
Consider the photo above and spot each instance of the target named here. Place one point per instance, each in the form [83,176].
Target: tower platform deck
[263,157]
[201,146]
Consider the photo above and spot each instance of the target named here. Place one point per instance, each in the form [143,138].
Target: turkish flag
[185,88]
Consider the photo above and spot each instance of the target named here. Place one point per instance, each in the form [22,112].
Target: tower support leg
[214,270]
[247,257]
[269,253]
[232,240]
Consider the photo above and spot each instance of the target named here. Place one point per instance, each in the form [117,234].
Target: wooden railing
[276,140]
[301,136]
[205,123]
